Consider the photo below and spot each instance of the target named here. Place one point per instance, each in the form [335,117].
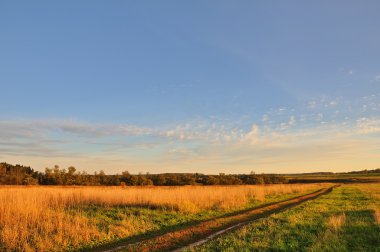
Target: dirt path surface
[202,232]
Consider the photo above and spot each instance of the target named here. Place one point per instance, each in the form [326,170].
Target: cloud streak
[195,146]
[323,134]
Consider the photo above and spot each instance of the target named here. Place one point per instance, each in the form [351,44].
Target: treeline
[18,175]
[366,171]
[24,175]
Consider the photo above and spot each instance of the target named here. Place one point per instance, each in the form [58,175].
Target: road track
[202,232]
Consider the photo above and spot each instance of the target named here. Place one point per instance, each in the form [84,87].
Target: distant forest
[25,175]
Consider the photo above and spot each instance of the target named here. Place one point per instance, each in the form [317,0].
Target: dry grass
[51,218]
[336,221]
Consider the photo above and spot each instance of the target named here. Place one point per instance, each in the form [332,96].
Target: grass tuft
[336,221]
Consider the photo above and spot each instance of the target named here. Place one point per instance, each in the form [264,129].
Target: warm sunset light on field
[203,125]
[174,93]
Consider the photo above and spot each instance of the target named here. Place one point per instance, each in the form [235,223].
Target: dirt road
[202,232]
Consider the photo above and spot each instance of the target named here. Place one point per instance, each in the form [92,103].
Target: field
[348,219]
[43,218]
[290,217]
[189,126]
[334,178]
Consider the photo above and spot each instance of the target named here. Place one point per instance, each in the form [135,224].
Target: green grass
[307,227]
[152,222]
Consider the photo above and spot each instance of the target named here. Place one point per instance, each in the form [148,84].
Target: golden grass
[336,221]
[372,190]
[52,218]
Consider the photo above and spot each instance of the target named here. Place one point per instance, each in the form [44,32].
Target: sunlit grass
[52,218]
[344,220]
[336,221]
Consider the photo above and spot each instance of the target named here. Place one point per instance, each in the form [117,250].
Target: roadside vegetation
[46,218]
[344,220]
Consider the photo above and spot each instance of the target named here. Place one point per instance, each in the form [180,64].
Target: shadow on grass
[361,233]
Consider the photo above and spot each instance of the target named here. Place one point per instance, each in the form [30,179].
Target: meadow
[51,218]
[347,219]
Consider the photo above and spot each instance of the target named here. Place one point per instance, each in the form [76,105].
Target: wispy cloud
[368,125]
[377,78]
[325,133]
[265,118]
[347,71]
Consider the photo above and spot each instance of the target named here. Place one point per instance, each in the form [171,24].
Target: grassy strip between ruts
[344,220]
[177,238]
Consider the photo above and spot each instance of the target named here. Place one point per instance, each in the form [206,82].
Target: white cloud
[368,125]
[319,116]
[312,104]
[333,103]
[346,71]
[265,118]
[284,126]
[292,120]
[376,78]
[253,135]
[195,142]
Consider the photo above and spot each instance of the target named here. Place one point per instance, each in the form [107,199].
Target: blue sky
[196,86]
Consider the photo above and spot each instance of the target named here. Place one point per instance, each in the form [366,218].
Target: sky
[191,86]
